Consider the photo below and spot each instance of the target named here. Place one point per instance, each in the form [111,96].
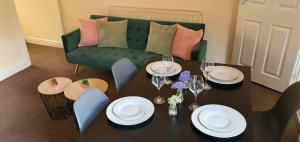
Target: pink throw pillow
[185,41]
[89,35]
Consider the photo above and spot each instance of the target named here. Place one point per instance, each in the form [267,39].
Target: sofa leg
[76,69]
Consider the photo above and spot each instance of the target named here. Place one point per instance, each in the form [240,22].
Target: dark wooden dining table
[163,128]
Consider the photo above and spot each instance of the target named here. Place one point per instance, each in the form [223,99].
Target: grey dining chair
[123,70]
[269,126]
[88,106]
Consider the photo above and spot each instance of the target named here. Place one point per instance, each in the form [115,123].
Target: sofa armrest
[71,40]
[199,53]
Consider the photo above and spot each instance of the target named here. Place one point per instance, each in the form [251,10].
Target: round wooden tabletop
[74,90]
[48,88]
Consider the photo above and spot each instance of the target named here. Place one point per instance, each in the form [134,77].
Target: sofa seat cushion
[105,57]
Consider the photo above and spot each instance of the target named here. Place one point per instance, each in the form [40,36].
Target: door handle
[243,2]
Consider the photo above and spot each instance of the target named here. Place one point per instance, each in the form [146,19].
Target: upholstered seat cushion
[105,57]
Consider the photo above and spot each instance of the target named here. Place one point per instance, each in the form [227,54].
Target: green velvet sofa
[137,35]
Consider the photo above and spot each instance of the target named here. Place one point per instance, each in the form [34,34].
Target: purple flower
[178,85]
[185,76]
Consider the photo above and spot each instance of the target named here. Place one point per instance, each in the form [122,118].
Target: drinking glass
[203,67]
[158,81]
[195,86]
[167,60]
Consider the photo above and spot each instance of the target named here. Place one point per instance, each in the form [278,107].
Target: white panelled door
[268,39]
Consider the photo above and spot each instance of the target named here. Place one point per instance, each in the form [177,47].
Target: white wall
[219,17]
[40,21]
[13,52]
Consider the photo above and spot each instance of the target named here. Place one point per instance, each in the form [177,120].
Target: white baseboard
[46,42]
[14,69]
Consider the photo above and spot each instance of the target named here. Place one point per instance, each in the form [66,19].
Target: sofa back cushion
[89,32]
[185,41]
[138,30]
[113,34]
[160,38]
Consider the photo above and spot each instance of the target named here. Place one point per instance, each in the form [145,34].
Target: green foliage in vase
[174,99]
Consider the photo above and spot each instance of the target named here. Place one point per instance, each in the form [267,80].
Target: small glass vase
[172,110]
[186,84]
[180,94]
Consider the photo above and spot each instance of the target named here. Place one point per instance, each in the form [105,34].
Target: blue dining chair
[269,126]
[88,106]
[123,70]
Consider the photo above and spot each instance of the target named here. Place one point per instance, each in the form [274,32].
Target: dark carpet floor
[23,117]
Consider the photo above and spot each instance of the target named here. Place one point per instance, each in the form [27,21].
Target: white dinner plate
[224,75]
[225,123]
[159,67]
[218,120]
[130,110]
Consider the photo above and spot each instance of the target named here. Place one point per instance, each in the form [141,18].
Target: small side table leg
[70,105]
[76,69]
[44,98]
[57,106]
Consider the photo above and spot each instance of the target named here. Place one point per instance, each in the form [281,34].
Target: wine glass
[158,81]
[204,68]
[195,86]
[166,60]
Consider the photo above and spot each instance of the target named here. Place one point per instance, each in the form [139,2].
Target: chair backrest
[88,106]
[286,106]
[123,70]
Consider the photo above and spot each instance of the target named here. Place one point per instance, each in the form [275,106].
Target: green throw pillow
[160,38]
[112,34]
